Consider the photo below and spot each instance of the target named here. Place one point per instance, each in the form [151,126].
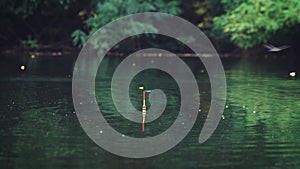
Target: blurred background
[230,24]
[259,45]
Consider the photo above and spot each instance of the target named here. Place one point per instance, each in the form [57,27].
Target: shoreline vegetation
[48,51]
[233,26]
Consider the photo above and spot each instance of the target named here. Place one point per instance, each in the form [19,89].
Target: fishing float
[144,107]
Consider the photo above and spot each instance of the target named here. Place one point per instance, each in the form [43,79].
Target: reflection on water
[39,128]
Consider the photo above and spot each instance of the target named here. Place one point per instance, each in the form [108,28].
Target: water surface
[39,127]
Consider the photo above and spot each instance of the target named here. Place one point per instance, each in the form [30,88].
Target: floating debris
[293,74]
[101,131]
[272,48]
[22,67]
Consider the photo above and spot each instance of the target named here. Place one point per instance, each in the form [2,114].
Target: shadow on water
[260,128]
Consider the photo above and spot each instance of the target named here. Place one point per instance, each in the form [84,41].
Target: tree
[253,22]
[109,10]
[34,22]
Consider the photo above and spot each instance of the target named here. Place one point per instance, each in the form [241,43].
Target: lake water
[260,129]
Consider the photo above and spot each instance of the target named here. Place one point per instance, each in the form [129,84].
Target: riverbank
[41,51]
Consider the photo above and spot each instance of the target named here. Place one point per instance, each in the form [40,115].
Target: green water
[39,127]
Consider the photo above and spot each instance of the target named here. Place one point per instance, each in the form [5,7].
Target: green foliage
[25,8]
[203,10]
[255,22]
[109,10]
[45,21]
[29,42]
[230,5]
[79,37]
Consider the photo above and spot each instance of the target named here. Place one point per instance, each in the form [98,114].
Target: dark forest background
[230,24]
